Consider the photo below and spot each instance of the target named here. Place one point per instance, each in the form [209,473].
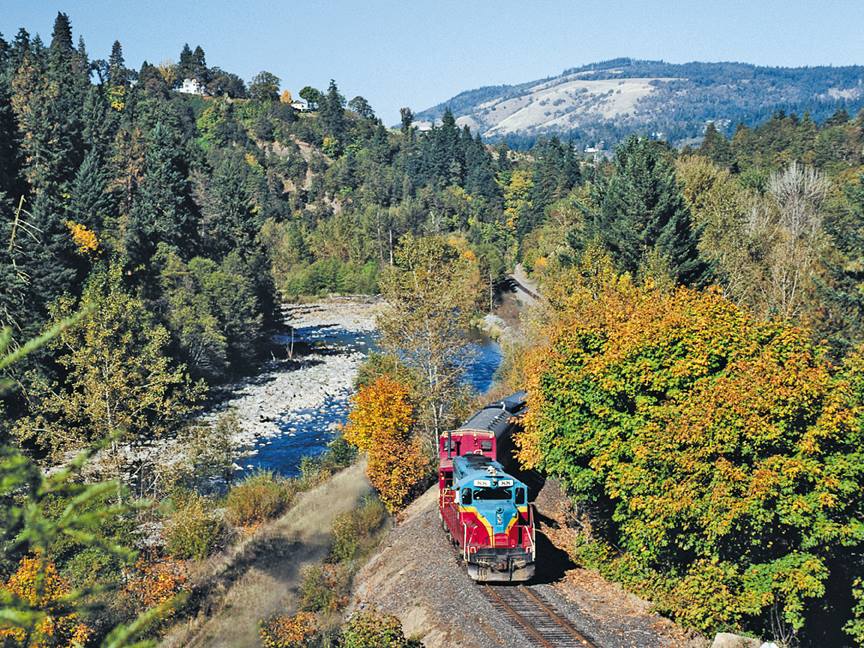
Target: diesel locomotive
[483,508]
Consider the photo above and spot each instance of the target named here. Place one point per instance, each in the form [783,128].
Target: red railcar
[488,433]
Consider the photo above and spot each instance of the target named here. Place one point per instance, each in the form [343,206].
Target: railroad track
[536,617]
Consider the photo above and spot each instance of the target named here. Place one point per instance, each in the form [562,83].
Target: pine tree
[642,213]
[47,102]
[199,66]
[716,147]
[91,201]
[186,64]
[9,142]
[228,220]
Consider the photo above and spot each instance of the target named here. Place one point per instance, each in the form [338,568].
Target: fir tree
[163,209]
[333,115]
[90,201]
[229,222]
[642,213]
[716,147]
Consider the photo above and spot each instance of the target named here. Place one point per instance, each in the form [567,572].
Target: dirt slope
[262,577]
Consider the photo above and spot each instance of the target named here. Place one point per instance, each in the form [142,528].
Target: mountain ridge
[607,100]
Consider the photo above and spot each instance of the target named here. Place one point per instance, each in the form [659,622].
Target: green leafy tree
[264,87]
[361,106]
[36,604]
[719,455]
[432,292]
[120,381]
[313,97]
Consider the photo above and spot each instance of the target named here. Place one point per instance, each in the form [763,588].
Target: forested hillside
[604,102]
[694,367]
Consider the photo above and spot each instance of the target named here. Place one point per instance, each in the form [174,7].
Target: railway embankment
[416,576]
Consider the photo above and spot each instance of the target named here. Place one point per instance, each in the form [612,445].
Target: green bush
[355,532]
[324,588]
[314,470]
[374,629]
[258,498]
[194,530]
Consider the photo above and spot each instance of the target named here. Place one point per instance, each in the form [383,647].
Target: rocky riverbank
[315,373]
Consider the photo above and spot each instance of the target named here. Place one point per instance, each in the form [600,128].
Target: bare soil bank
[261,575]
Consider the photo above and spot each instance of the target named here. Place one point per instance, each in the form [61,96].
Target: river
[306,431]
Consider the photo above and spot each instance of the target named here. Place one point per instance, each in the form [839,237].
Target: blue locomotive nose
[498,516]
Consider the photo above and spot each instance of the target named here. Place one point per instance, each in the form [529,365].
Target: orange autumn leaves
[380,423]
[38,584]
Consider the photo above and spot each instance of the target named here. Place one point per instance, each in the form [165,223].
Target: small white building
[192,86]
[300,105]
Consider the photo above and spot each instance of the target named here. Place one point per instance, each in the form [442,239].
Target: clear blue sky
[400,52]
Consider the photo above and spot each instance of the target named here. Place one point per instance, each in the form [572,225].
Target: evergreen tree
[91,201]
[642,213]
[9,143]
[199,66]
[716,147]
[163,209]
[186,64]
[333,115]
[228,220]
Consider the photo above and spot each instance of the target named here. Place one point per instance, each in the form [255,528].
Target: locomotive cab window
[493,494]
[466,497]
[486,446]
[520,496]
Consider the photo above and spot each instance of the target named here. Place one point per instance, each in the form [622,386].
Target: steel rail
[537,617]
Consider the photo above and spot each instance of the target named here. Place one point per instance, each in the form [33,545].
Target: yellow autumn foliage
[38,583]
[380,423]
[84,238]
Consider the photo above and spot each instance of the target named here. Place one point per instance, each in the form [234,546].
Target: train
[483,507]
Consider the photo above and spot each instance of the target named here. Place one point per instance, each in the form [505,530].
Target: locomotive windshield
[489,494]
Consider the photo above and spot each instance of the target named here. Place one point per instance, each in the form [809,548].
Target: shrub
[722,452]
[258,498]
[193,531]
[354,532]
[41,587]
[374,629]
[314,470]
[324,588]
[289,631]
[156,582]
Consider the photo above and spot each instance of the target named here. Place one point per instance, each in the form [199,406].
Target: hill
[604,102]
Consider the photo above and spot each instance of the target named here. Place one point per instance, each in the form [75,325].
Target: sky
[404,53]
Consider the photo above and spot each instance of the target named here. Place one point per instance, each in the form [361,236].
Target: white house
[192,86]
[300,104]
